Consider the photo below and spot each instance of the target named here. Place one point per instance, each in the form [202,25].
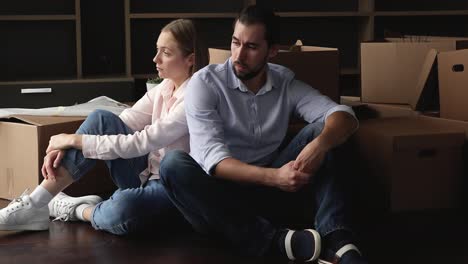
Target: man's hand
[289,179]
[64,141]
[51,162]
[310,159]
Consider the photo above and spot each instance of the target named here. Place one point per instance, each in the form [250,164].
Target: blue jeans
[132,208]
[248,216]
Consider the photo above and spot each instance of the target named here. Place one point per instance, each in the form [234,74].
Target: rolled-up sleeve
[161,133]
[207,145]
[311,105]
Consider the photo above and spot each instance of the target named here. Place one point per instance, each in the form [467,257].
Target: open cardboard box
[391,71]
[316,66]
[24,140]
[441,78]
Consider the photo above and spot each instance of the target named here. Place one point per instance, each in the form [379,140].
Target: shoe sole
[39,226]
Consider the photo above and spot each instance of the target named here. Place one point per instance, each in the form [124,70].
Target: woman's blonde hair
[189,41]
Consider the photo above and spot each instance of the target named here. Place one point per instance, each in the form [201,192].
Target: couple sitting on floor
[236,183]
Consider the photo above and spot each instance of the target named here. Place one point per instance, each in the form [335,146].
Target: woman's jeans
[248,216]
[132,208]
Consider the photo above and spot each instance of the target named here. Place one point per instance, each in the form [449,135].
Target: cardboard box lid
[459,42]
[453,84]
[43,120]
[396,68]
[405,133]
[426,93]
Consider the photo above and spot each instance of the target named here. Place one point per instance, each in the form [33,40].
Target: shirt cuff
[342,108]
[215,156]
[88,146]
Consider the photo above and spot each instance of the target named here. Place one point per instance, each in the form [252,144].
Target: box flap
[45,120]
[218,56]
[426,94]
[453,84]
[390,70]
[314,48]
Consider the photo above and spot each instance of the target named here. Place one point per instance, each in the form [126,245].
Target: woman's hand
[64,141]
[51,162]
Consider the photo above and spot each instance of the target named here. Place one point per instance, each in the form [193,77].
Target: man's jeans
[132,208]
[248,216]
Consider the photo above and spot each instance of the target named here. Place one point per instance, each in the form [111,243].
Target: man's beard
[248,75]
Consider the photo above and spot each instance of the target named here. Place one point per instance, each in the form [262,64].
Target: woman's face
[170,61]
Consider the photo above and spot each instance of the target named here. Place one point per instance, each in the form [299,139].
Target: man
[239,184]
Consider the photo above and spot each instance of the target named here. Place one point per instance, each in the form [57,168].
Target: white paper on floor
[101,102]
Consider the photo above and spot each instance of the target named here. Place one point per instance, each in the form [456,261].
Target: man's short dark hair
[255,15]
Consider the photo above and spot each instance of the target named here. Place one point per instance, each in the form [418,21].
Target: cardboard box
[393,72]
[316,66]
[417,162]
[365,111]
[24,140]
[453,84]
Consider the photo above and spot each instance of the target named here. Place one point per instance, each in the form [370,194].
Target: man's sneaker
[63,207]
[329,257]
[21,214]
[313,241]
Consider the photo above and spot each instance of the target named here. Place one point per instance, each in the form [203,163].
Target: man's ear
[273,51]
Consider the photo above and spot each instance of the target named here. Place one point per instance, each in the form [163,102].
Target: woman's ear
[191,59]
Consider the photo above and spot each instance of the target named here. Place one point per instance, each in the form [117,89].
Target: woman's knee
[96,122]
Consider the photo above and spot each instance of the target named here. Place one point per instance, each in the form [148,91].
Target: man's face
[249,50]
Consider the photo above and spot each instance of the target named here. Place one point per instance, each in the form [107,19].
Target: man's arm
[285,178]
[338,127]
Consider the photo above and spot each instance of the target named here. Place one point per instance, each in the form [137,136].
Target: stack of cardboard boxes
[415,151]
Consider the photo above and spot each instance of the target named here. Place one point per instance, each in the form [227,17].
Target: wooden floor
[423,238]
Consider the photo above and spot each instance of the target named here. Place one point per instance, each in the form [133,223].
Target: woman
[132,145]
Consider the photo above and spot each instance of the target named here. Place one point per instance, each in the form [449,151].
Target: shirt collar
[234,83]
[167,90]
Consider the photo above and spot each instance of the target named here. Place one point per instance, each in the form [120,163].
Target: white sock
[79,211]
[40,197]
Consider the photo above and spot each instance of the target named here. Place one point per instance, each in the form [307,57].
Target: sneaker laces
[19,200]
[64,210]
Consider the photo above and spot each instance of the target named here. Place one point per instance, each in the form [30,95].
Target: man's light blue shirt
[225,119]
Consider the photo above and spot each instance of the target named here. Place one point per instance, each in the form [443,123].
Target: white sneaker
[21,214]
[63,207]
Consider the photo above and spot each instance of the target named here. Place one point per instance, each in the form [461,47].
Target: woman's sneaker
[62,207]
[21,214]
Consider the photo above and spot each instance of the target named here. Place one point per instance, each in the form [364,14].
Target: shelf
[37,17]
[181,15]
[144,75]
[350,71]
[324,14]
[422,13]
[82,80]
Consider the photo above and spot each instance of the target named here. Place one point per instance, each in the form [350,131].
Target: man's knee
[173,167]
[313,129]
[116,214]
